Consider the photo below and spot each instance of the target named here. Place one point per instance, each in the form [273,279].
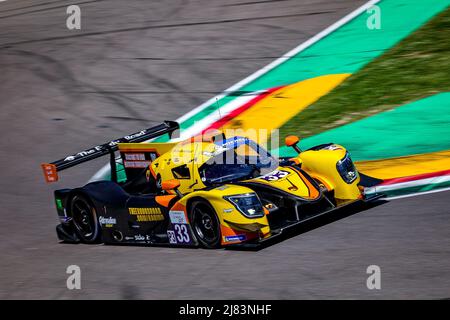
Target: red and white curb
[425,180]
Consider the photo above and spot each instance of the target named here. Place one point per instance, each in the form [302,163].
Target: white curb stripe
[418,194]
[403,185]
[223,111]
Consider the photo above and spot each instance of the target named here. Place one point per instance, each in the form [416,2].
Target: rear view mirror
[172,184]
[292,141]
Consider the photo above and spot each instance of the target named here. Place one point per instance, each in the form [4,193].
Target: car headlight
[347,169]
[248,204]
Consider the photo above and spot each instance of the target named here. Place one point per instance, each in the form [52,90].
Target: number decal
[185,234]
[182,234]
[178,233]
[275,175]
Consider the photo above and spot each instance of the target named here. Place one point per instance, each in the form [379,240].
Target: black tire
[205,224]
[85,220]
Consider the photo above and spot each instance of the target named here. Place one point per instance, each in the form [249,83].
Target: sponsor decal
[136,164]
[83,153]
[140,237]
[146,214]
[113,143]
[332,147]
[238,237]
[136,135]
[135,156]
[275,175]
[172,236]
[177,217]
[107,222]
[234,142]
[50,172]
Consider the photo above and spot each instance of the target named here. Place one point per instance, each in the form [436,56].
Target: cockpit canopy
[235,159]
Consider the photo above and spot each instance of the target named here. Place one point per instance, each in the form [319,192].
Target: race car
[205,191]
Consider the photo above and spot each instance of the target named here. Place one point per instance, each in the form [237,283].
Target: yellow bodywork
[232,222]
[290,180]
[319,164]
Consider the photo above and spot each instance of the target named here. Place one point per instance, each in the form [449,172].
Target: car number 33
[181,233]
[275,175]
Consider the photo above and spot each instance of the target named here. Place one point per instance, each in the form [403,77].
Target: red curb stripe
[224,120]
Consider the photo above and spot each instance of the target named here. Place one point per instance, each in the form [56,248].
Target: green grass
[417,67]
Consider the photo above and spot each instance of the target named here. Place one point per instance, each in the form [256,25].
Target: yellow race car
[213,192]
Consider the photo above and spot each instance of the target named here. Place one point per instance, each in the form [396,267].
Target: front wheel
[84,217]
[205,224]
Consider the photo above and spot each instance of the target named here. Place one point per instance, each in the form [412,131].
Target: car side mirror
[172,184]
[292,141]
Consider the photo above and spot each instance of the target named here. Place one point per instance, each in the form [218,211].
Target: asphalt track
[133,64]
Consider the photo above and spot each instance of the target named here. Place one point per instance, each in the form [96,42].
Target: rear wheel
[205,224]
[84,217]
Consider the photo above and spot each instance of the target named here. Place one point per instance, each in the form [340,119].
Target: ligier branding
[107,222]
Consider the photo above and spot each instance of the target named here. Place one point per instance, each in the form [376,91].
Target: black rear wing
[51,169]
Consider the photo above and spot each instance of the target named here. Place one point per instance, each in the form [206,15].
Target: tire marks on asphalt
[160,26]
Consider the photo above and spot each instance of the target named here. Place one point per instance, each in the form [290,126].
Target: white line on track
[418,194]
[409,184]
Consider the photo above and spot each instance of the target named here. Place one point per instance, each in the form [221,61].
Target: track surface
[132,65]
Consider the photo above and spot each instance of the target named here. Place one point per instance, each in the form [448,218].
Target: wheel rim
[205,224]
[83,218]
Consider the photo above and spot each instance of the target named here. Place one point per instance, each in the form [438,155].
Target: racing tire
[205,224]
[85,220]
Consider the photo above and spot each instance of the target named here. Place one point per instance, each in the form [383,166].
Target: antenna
[220,116]
[218,108]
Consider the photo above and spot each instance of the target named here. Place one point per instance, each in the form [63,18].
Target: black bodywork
[113,205]
[127,212]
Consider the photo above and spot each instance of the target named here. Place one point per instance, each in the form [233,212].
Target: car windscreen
[237,161]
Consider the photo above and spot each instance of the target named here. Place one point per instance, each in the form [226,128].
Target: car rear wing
[51,169]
